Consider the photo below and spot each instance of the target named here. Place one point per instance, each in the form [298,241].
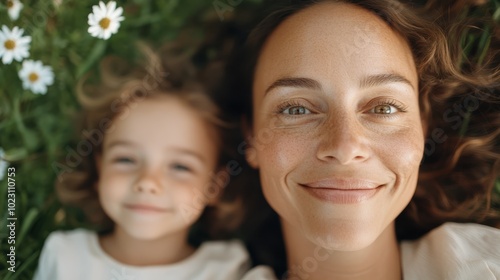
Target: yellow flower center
[10,44]
[10,4]
[104,23]
[33,77]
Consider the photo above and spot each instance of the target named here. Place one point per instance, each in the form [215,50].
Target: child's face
[156,168]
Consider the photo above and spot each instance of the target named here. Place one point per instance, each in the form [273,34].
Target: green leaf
[16,154]
[496,15]
[484,44]
[26,223]
[94,56]
[145,20]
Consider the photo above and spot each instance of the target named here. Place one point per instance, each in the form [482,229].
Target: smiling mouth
[343,194]
[144,208]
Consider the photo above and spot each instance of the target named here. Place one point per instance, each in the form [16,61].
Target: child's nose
[148,183]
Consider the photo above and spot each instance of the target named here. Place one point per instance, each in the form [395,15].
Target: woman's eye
[384,109]
[296,110]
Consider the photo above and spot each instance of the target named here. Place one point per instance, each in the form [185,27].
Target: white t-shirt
[450,252]
[77,255]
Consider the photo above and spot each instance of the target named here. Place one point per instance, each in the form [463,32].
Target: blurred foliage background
[37,131]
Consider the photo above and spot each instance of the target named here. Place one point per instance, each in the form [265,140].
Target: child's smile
[156,161]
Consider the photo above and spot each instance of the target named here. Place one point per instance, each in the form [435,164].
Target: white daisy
[105,20]
[13,45]
[14,7]
[3,164]
[35,76]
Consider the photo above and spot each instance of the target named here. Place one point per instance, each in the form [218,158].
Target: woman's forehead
[335,39]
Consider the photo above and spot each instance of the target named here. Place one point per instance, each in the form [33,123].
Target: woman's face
[337,133]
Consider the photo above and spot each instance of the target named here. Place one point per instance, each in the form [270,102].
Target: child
[156,139]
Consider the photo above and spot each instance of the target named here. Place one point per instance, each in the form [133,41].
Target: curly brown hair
[459,100]
[166,72]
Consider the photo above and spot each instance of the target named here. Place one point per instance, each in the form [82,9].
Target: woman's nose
[343,140]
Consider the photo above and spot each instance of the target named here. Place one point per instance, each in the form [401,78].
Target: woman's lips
[342,191]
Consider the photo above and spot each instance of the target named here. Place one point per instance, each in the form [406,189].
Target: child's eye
[124,160]
[181,167]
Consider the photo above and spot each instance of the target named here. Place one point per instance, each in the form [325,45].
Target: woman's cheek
[401,152]
[284,148]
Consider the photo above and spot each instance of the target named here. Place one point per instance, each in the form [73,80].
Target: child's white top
[450,252]
[77,255]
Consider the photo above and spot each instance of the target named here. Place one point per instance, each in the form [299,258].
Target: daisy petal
[118,12]
[111,6]
[103,7]
[7,58]
[97,11]
[5,29]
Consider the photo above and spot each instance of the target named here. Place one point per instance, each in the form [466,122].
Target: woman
[344,101]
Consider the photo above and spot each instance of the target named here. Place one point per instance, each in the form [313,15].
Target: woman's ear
[249,147]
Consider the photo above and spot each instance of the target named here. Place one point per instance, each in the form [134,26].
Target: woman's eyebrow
[295,82]
[380,79]
[369,81]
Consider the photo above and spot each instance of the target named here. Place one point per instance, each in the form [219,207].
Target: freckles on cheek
[402,153]
[278,158]
[284,150]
